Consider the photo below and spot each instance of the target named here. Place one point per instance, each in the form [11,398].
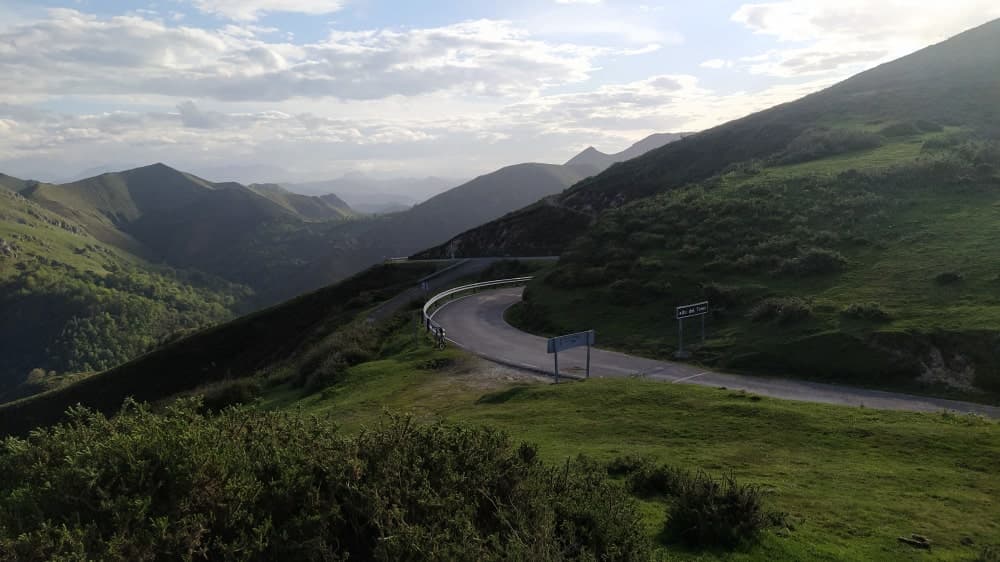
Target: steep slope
[859,245]
[240,348]
[324,208]
[955,82]
[601,161]
[69,302]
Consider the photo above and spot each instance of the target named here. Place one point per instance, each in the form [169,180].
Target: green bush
[785,310]
[716,513]
[988,554]
[279,486]
[816,144]
[870,311]
[326,362]
[221,395]
[816,261]
[651,480]
[948,278]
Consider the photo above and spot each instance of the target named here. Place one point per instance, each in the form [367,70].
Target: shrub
[221,395]
[709,512]
[728,296]
[279,486]
[624,465]
[625,291]
[351,345]
[785,310]
[988,554]
[870,311]
[816,144]
[816,261]
[948,278]
[651,480]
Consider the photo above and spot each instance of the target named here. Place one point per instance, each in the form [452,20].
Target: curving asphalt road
[476,324]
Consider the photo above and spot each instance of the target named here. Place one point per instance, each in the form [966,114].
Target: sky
[294,90]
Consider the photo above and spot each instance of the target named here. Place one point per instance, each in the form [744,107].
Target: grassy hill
[827,472]
[11,183]
[69,302]
[848,236]
[833,470]
[949,84]
[252,344]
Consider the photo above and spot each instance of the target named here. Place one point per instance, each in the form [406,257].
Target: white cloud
[250,10]
[716,64]
[844,36]
[77,54]
[578,1]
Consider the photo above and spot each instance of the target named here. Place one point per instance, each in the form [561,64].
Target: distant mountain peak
[601,160]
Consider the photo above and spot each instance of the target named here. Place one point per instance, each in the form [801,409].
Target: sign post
[689,311]
[561,343]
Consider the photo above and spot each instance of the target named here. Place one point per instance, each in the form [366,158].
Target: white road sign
[689,310]
[570,341]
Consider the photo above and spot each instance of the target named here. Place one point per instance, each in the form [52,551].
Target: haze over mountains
[376,196]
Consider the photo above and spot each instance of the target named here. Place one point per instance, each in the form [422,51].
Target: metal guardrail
[440,299]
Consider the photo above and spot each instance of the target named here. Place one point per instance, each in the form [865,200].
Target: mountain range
[129,240]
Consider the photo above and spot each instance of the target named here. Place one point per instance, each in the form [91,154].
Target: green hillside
[11,183]
[69,302]
[850,480]
[847,236]
[876,267]
[953,83]
[291,335]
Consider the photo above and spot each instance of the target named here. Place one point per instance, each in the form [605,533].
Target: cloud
[844,36]
[716,64]
[544,128]
[77,54]
[195,118]
[250,10]
[578,1]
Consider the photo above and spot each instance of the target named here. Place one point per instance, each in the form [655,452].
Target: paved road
[476,323]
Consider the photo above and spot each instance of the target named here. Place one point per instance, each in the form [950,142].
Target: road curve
[476,324]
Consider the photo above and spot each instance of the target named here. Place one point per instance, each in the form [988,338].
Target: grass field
[852,480]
